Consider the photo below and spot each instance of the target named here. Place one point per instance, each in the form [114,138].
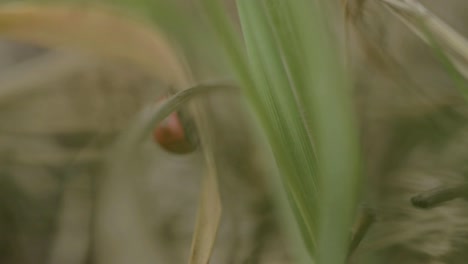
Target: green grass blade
[293,153]
[327,98]
[298,73]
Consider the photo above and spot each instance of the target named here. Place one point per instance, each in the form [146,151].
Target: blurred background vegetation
[323,131]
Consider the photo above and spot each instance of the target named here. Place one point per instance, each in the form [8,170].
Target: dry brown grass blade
[422,22]
[106,33]
[209,212]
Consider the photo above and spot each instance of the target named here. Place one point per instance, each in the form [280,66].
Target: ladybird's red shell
[171,135]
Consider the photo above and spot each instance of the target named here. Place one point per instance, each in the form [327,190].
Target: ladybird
[176,134]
